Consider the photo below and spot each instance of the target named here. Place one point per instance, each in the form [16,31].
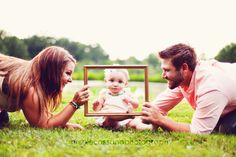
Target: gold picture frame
[97,67]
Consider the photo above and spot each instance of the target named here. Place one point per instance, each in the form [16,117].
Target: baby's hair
[108,72]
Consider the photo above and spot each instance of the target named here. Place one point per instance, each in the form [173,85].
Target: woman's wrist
[75,105]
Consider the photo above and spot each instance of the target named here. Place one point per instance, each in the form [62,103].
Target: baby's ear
[126,83]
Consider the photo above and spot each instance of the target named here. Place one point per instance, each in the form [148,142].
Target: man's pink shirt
[211,93]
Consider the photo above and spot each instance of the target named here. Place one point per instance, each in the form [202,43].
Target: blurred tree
[152,60]
[75,48]
[133,61]
[15,47]
[119,61]
[96,54]
[3,48]
[37,43]
[227,54]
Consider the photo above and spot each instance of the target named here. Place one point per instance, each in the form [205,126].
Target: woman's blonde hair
[43,73]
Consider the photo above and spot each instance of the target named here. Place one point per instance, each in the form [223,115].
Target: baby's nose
[115,83]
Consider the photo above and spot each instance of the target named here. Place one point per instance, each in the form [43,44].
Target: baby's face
[116,82]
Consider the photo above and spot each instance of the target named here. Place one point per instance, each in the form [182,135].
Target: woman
[36,87]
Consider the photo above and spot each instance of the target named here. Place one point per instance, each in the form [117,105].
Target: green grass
[19,139]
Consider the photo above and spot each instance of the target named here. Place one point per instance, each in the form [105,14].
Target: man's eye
[166,70]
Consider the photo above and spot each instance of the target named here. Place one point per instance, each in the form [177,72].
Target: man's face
[174,78]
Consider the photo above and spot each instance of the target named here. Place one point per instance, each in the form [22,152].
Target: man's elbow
[200,131]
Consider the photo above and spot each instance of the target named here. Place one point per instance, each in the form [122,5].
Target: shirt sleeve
[168,100]
[209,109]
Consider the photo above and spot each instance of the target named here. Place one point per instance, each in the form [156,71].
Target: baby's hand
[96,104]
[130,108]
[127,100]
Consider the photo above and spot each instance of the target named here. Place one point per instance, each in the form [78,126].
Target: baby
[117,99]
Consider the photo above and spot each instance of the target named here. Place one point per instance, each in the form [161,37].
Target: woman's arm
[32,113]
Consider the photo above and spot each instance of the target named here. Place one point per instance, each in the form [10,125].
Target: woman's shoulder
[31,96]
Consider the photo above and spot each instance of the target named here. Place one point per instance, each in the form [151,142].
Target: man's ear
[185,67]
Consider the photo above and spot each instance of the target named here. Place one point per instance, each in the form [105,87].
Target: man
[208,86]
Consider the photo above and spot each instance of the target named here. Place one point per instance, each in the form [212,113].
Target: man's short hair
[180,54]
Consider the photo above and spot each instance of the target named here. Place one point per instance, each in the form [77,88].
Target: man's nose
[163,75]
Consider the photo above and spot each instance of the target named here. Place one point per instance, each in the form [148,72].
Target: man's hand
[151,114]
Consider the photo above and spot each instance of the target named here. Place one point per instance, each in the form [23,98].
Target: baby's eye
[120,81]
[111,80]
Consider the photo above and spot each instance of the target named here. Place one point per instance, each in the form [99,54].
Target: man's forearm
[170,125]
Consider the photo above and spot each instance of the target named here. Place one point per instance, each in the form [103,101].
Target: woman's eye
[68,73]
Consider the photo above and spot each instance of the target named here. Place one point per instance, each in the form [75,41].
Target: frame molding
[89,67]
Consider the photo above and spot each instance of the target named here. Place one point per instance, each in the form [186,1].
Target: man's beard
[177,81]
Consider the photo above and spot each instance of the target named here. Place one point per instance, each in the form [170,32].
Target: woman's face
[67,74]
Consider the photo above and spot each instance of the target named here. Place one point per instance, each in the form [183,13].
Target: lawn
[19,139]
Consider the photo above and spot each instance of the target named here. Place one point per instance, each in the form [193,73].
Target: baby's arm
[131,100]
[98,103]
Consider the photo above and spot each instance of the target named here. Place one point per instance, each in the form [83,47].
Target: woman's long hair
[43,73]
[16,73]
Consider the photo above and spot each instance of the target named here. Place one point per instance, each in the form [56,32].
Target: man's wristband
[76,106]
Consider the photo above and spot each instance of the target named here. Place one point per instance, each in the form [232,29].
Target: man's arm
[152,114]
[208,111]
[168,100]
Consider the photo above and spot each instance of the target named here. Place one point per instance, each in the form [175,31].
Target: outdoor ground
[19,139]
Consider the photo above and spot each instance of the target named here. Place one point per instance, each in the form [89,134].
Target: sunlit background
[126,28]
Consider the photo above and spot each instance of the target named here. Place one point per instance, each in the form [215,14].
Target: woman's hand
[74,126]
[81,96]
